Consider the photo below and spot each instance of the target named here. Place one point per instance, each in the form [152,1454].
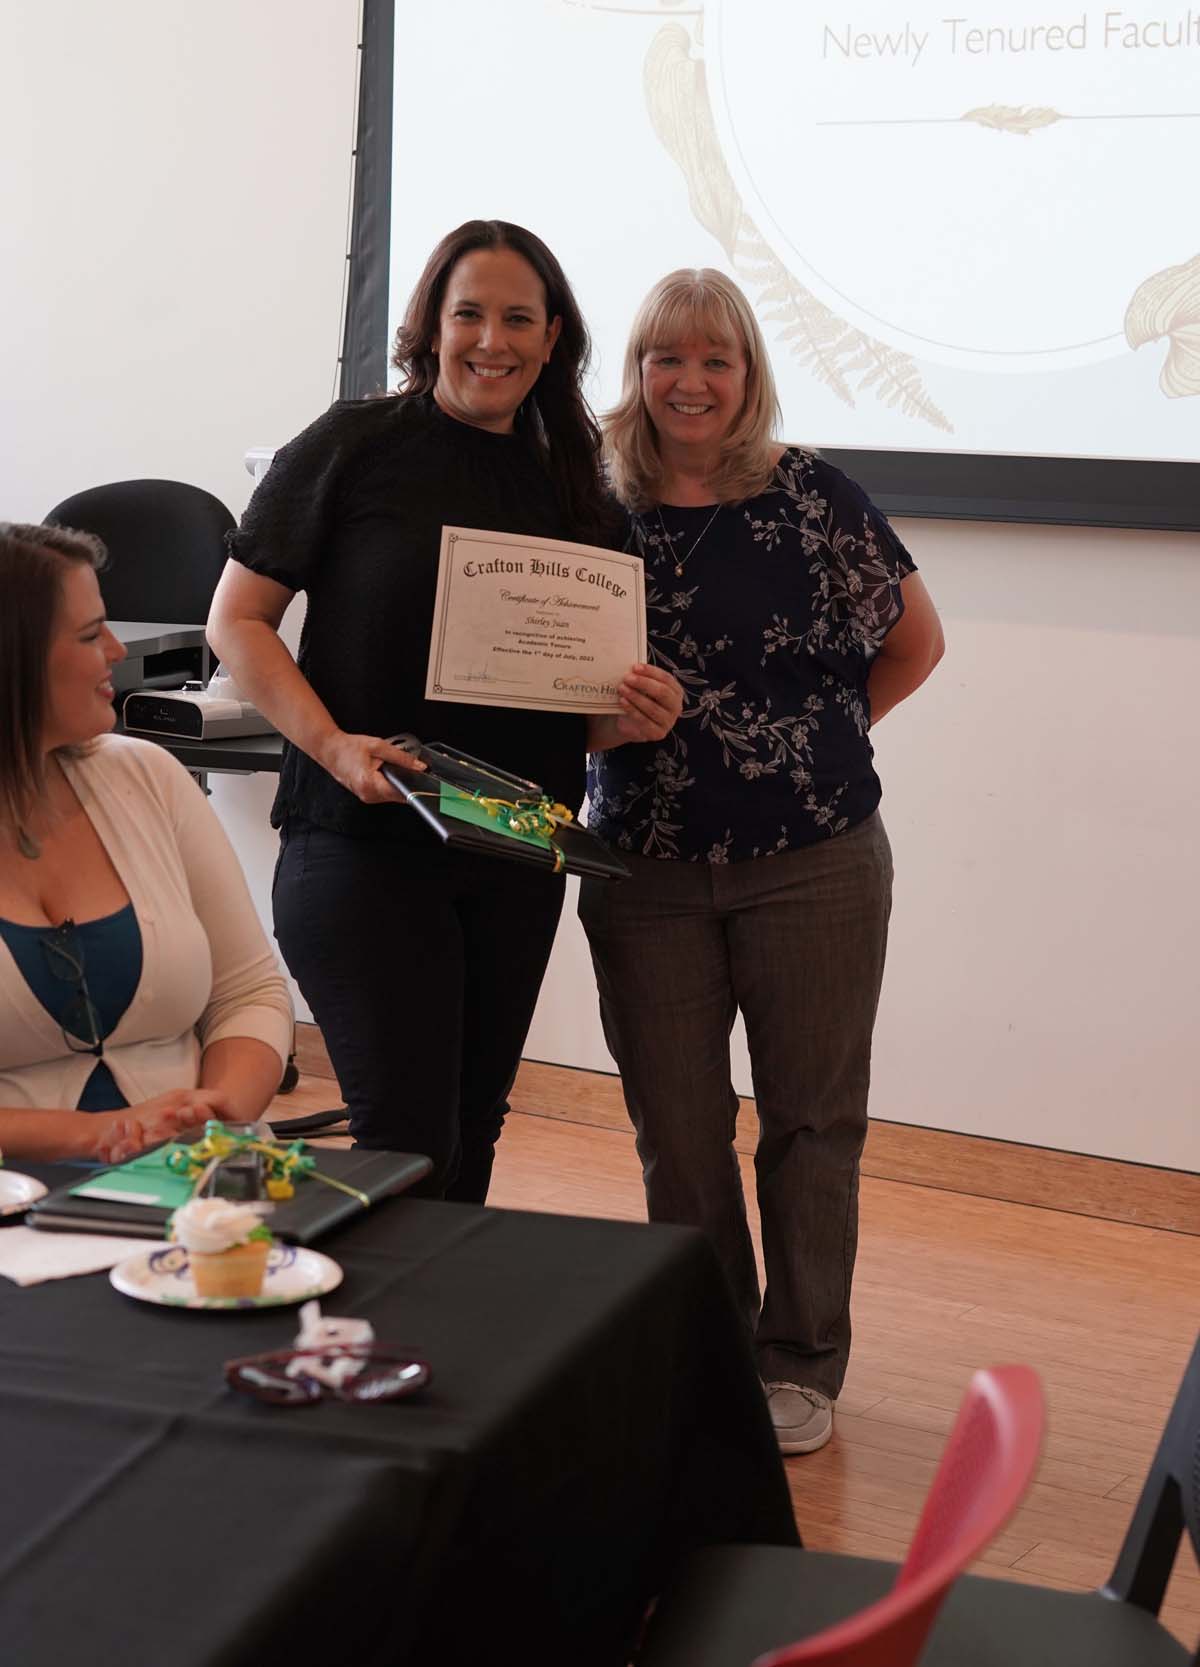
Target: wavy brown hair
[695,301]
[33,562]
[554,417]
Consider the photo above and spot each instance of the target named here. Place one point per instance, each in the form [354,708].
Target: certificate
[534,622]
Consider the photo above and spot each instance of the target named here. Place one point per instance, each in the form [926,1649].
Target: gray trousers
[797,943]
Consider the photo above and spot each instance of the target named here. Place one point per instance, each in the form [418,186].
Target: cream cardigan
[207,969]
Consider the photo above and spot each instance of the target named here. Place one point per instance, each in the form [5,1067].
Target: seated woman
[138,994]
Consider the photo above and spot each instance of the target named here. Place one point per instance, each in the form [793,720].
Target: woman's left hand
[651,701]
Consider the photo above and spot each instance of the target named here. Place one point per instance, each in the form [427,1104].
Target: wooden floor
[946,1281]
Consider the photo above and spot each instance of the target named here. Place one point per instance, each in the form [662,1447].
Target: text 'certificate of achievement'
[534,622]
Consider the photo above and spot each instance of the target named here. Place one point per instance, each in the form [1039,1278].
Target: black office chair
[166,546]
[731,1606]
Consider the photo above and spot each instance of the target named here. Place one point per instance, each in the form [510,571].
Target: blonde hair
[693,301]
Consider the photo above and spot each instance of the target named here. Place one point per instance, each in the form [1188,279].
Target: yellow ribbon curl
[542,816]
[283,1165]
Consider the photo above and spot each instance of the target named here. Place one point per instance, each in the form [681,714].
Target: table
[240,753]
[593,1413]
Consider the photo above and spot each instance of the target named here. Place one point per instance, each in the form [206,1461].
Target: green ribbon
[542,816]
[283,1165]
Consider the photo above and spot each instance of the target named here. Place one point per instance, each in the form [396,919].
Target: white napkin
[28,1255]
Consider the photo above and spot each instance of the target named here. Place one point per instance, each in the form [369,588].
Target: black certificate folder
[315,1208]
[471,806]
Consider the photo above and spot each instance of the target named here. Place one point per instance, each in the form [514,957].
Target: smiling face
[493,338]
[694,390]
[83,652]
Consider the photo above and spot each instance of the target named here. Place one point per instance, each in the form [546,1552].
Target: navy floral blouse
[771,628]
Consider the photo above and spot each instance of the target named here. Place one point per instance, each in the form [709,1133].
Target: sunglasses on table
[385,1375]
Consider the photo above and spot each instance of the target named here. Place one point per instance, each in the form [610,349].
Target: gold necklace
[682,562]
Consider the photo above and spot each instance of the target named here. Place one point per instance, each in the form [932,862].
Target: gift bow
[543,816]
[283,1163]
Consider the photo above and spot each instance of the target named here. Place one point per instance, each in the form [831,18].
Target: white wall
[175,176]
[1045,799]
[175,179]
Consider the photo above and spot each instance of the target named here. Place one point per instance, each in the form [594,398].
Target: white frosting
[211,1225]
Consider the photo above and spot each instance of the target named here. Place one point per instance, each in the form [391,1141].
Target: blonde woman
[787,608]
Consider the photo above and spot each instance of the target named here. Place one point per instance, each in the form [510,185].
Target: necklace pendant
[683,560]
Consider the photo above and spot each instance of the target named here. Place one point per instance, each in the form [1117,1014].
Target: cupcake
[227,1245]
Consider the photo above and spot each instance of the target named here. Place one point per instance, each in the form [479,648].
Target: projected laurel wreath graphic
[1168,304]
[1025,182]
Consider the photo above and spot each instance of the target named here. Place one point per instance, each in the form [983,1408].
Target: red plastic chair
[986,1467]
[727,1602]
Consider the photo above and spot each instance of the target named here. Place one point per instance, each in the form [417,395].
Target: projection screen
[972,241]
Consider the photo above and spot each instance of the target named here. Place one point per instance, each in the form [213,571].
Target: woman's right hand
[355,760]
[116,1136]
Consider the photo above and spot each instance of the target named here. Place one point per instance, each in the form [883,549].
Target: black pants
[422,968]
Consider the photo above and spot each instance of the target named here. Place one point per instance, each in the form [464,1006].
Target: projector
[195,713]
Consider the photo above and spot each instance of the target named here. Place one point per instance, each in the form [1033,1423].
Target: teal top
[57,962]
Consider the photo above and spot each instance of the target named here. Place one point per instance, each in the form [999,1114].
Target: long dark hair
[554,417]
[33,561]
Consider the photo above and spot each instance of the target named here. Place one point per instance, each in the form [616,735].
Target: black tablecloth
[593,1413]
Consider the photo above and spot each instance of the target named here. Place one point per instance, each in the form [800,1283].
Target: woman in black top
[761,872]
[421,966]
